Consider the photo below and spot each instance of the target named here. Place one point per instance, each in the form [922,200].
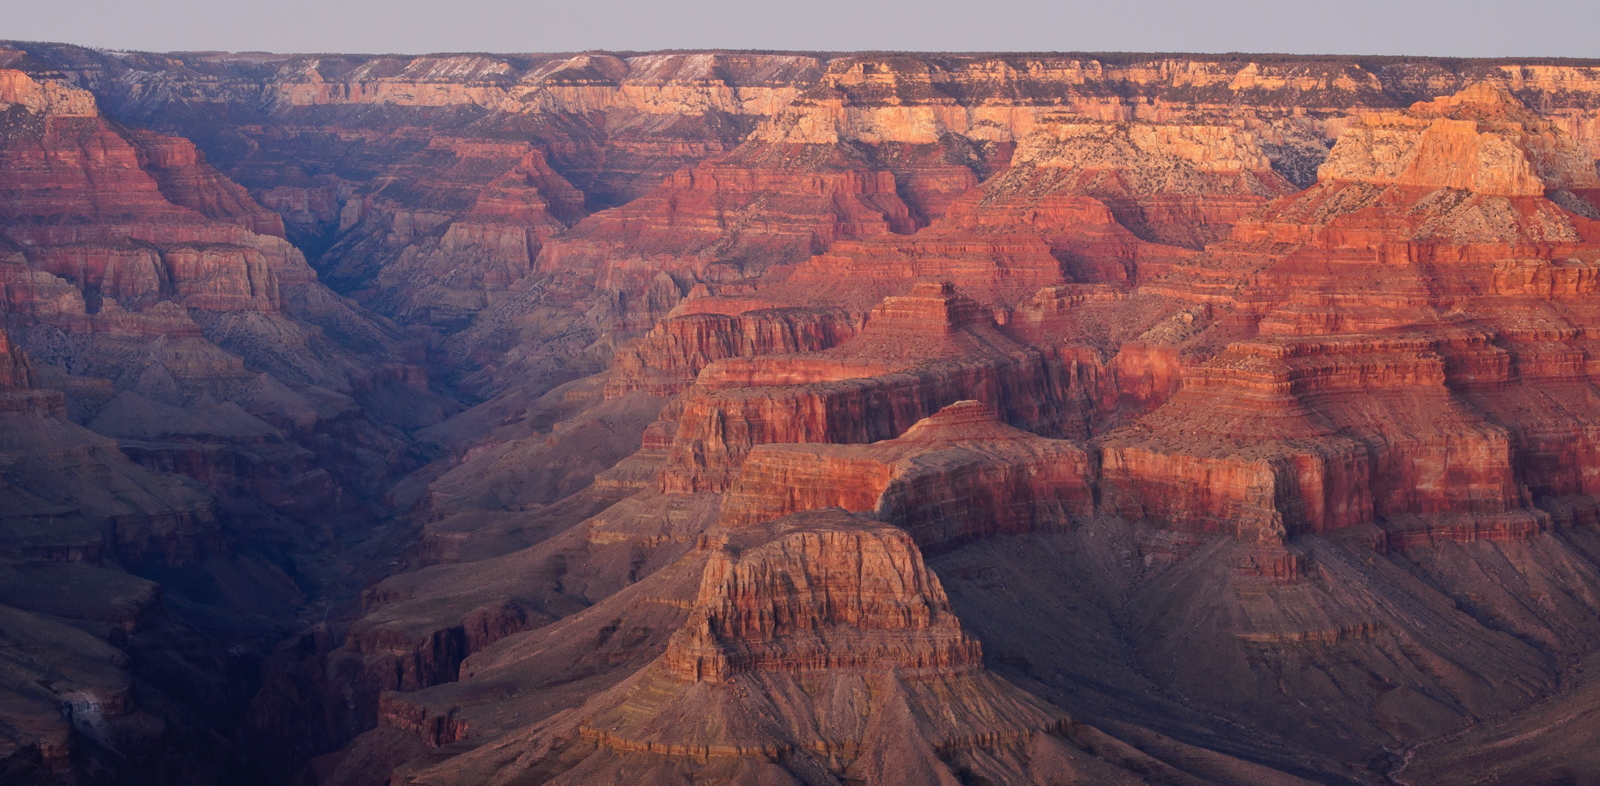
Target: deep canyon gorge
[798,418]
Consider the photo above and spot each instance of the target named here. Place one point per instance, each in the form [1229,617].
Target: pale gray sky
[1466,28]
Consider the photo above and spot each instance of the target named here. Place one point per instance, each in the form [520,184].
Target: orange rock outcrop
[956,476]
[818,598]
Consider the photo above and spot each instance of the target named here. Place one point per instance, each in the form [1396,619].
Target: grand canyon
[798,418]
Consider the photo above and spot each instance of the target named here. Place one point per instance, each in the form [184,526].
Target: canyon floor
[798,418]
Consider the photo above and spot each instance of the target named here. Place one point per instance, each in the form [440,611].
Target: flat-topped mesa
[955,476]
[819,591]
[986,259]
[931,307]
[966,420]
[667,359]
[872,387]
[1480,140]
[932,324]
[1283,370]
[1271,439]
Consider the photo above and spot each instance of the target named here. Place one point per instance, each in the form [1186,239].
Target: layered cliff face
[1480,140]
[1309,449]
[1434,203]
[63,160]
[1476,169]
[140,282]
[1255,482]
[727,220]
[427,187]
[917,353]
[670,356]
[1181,184]
[955,476]
[57,159]
[916,98]
[1082,202]
[816,601]
[1082,210]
